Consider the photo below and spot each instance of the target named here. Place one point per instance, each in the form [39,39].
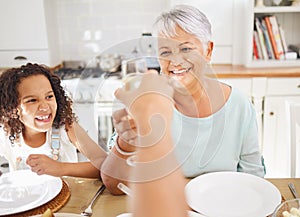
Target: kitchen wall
[83,29]
[89,27]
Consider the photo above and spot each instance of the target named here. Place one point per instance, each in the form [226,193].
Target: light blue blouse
[224,141]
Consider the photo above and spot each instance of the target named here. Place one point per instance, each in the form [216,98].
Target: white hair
[187,17]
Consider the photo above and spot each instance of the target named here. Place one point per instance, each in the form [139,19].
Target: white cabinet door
[28,33]
[22,25]
[243,84]
[276,141]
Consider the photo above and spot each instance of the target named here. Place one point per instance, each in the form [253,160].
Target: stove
[82,73]
[92,92]
[89,85]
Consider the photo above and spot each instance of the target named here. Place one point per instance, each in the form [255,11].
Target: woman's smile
[180,72]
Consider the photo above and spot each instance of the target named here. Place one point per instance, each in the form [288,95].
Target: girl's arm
[42,164]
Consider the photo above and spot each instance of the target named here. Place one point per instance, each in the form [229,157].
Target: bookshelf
[288,18]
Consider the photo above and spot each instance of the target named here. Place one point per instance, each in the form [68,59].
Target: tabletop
[82,191]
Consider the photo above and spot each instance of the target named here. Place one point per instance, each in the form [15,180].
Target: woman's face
[182,57]
[37,108]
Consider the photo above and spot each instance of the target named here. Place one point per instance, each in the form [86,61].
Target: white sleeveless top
[17,153]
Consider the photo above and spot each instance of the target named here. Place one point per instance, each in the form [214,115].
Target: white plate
[191,214]
[23,190]
[232,194]
[60,214]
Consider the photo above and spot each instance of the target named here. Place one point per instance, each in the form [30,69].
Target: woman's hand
[150,104]
[124,126]
[150,85]
[42,164]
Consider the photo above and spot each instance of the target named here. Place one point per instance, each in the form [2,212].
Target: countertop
[239,71]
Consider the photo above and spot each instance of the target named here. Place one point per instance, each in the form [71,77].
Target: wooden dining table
[108,205]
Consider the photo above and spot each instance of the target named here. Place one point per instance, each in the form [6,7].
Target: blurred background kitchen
[85,41]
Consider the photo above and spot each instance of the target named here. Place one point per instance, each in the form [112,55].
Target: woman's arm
[163,194]
[157,181]
[251,160]
[115,169]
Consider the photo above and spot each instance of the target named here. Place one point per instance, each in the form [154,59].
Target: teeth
[180,71]
[43,117]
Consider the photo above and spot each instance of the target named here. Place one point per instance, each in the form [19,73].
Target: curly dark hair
[9,99]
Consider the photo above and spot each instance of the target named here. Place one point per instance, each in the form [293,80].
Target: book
[271,37]
[258,46]
[255,51]
[261,39]
[274,34]
[283,41]
[267,40]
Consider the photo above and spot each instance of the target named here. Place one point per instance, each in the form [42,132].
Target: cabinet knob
[298,86]
[271,113]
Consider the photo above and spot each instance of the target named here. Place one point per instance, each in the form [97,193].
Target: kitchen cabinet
[280,141]
[243,84]
[277,144]
[287,18]
[28,32]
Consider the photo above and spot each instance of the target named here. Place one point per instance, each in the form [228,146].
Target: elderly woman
[214,125]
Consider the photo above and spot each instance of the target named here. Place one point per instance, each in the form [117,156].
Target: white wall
[88,27]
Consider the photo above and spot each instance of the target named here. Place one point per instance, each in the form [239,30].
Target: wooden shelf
[278,9]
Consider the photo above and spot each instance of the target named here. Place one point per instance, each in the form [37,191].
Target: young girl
[38,129]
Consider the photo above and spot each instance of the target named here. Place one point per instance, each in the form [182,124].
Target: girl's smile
[38,105]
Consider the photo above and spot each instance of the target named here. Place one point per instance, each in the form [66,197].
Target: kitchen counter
[51,68]
[239,71]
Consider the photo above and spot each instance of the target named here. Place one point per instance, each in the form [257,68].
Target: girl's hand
[42,164]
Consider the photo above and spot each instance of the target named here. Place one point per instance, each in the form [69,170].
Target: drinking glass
[134,66]
[132,71]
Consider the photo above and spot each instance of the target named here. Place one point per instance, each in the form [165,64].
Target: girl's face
[183,58]
[37,108]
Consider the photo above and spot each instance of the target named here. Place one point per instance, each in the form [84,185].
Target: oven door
[96,119]
[104,123]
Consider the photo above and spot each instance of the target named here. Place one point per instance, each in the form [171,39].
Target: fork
[88,211]
[293,190]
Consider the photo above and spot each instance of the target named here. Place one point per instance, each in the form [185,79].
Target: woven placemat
[54,204]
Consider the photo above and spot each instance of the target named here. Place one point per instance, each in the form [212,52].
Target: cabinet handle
[271,113]
[20,58]
[298,86]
